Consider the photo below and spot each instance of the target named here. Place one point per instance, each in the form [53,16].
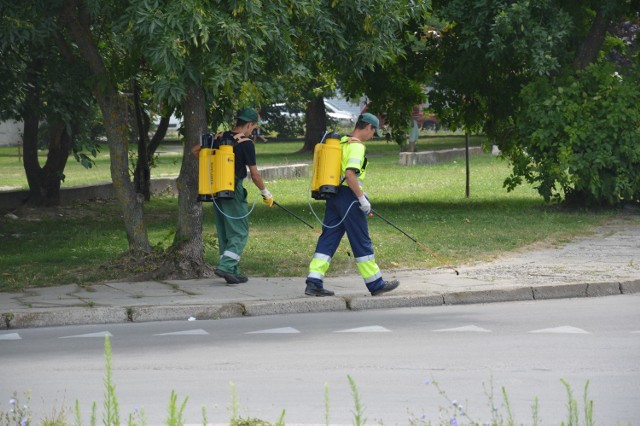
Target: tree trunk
[188,250]
[31,117]
[52,174]
[588,50]
[158,136]
[316,123]
[142,172]
[44,182]
[113,106]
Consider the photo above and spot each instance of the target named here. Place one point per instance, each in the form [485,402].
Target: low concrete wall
[10,200]
[434,157]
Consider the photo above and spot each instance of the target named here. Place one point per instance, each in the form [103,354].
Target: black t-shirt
[245,155]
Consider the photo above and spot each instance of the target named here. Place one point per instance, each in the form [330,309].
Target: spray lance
[373,212]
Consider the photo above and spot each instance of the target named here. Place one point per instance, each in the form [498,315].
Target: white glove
[267,197]
[365,205]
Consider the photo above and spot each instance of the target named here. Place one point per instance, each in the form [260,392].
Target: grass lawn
[77,244]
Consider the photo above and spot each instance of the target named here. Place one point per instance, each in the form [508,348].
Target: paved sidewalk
[606,263]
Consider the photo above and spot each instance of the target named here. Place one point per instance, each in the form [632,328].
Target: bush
[580,137]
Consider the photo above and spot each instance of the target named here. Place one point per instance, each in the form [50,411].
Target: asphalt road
[405,362]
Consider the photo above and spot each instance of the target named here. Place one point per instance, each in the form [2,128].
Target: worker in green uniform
[232,222]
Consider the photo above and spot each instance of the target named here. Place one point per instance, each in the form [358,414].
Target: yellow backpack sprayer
[216,168]
[327,157]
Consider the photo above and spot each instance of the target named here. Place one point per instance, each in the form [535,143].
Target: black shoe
[315,290]
[387,286]
[230,278]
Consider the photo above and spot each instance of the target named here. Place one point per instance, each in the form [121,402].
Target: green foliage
[111,414]
[580,137]
[394,81]
[287,120]
[573,418]
[358,413]
[176,413]
[486,53]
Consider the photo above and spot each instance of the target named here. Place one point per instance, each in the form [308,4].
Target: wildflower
[12,401]
[427,382]
[453,422]
[454,403]
[24,422]
[617,75]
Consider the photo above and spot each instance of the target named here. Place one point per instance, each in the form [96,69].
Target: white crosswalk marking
[369,329]
[184,333]
[98,334]
[566,329]
[10,336]
[284,330]
[466,328]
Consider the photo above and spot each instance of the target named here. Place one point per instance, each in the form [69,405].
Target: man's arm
[352,181]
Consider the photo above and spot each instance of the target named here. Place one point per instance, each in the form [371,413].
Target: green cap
[249,115]
[367,117]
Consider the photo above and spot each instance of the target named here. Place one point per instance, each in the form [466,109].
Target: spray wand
[415,241]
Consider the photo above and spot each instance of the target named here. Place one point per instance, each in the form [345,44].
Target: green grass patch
[169,157]
[78,244]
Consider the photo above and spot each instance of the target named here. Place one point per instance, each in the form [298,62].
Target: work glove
[267,198]
[365,205]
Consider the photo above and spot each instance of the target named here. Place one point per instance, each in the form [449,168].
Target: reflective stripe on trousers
[356,227]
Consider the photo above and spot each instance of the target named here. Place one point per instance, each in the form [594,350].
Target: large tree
[43,85]
[210,59]
[362,47]
[499,61]
[88,27]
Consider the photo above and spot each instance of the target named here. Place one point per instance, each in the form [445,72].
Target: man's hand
[267,198]
[365,205]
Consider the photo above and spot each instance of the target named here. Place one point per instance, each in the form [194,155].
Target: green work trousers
[233,229]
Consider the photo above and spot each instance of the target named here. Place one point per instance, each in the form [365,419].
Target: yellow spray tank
[327,158]
[205,171]
[216,173]
[224,169]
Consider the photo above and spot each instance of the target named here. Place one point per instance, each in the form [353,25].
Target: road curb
[137,314]
[67,316]
[489,296]
[630,287]
[562,291]
[182,312]
[404,301]
[295,306]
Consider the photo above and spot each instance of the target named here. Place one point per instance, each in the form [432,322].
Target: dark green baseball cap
[367,117]
[249,115]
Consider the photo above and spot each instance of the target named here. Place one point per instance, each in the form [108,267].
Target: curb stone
[561,291]
[109,315]
[404,301]
[175,313]
[295,306]
[489,296]
[603,289]
[70,316]
[630,287]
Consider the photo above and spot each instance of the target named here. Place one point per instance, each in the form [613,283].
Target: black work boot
[230,278]
[316,290]
[387,286]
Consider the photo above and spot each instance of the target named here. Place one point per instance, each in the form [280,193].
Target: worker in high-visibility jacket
[347,212]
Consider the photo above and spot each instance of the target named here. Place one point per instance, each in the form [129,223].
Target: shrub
[580,137]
